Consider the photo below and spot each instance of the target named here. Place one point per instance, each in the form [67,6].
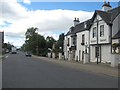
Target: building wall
[81,48]
[66,48]
[105,53]
[105,38]
[116,25]
[92,54]
[104,46]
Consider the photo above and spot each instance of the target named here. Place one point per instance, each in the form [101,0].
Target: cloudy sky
[52,18]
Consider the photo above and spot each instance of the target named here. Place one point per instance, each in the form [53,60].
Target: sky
[51,18]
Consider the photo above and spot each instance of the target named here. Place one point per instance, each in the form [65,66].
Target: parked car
[28,54]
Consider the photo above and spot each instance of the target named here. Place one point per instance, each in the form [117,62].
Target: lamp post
[60,53]
[60,49]
[86,60]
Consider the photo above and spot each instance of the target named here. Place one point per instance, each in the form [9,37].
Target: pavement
[101,68]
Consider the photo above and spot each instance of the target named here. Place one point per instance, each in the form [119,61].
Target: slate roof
[80,27]
[117,35]
[104,15]
[108,17]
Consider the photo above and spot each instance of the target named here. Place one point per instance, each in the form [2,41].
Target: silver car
[28,54]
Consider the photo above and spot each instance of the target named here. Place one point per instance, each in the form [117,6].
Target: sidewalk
[101,69]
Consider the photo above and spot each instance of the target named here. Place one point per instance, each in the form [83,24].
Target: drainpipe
[89,47]
[97,39]
[110,27]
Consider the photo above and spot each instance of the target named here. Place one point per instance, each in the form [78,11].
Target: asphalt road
[20,71]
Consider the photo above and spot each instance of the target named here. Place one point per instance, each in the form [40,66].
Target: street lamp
[60,49]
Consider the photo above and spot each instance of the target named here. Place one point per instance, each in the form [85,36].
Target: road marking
[6,56]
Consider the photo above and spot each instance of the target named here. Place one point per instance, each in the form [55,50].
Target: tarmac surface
[20,71]
[101,68]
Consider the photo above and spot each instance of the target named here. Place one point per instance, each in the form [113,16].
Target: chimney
[76,21]
[106,6]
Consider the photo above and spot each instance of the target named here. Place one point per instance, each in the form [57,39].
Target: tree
[60,43]
[50,41]
[7,46]
[34,42]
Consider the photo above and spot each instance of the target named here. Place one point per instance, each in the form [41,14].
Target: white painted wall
[105,38]
[66,48]
[106,53]
[92,54]
[79,41]
[106,8]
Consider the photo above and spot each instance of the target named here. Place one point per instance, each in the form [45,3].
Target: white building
[94,36]
[104,27]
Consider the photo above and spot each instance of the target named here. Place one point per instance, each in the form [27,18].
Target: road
[20,71]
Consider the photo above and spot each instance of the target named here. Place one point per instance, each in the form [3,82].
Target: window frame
[101,30]
[94,32]
[83,38]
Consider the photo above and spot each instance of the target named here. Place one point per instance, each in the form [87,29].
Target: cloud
[49,22]
[27,1]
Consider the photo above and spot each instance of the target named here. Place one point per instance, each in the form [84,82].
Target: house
[82,32]
[104,27]
[94,36]
[70,42]
[1,41]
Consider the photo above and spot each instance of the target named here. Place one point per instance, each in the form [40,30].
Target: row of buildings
[95,37]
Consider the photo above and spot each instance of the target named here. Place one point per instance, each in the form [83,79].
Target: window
[83,38]
[68,41]
[101,30]
[74,40]
[94,32]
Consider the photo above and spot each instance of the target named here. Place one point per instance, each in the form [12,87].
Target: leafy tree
[7,46]
[60,42]
[34,42]
[50,41]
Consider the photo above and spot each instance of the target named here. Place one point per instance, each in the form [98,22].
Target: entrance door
[82,55]
[73,54]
